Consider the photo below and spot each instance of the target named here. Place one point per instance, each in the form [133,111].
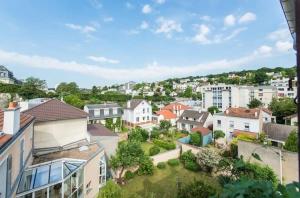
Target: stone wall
[284,163]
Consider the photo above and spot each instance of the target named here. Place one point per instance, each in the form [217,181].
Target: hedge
[164,144]
[161,165]
[154,150]
[173,162]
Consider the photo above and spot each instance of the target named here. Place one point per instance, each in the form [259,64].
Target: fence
[284,163]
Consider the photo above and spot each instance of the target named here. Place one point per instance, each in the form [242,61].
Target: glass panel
[66,171]
[42,176]
[55,172]
[25,182]
[80,177]
[55,191]
[79,192]
[41,193]
[29,195]
[71,166]
[67,187]
[74,182]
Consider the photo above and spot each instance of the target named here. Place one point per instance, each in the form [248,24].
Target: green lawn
[163,183]
[146,146]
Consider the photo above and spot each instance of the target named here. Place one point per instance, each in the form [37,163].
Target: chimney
[11,123]
[128,104]
[255,114]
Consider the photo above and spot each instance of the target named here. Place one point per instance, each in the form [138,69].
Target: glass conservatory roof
[47,174]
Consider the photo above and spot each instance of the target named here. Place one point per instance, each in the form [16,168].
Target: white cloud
[101,59]
[152,71]
[205,18]
[108,19]
[83,29]
[247,17]
[168,26]
[280,34]
[234,33]
[229,20]
[263,50]
[129,5]
[146,9]
[144,25]
[201,36]
[160,1]
[283,46]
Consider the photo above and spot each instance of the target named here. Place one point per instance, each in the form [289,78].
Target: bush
[234,150]
[154,150]
[184,132]
[110,190]
[138,134]
[196,139]
[218,134]
[173,162]
[165,144]
[129,175]
[154,133]
[196,189]
[291,144]
[146,166]
[161,165]
[193,166]
[189,161]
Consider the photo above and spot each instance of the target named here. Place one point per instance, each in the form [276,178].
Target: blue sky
[98,42]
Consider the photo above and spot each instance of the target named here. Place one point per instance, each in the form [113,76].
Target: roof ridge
[38,105]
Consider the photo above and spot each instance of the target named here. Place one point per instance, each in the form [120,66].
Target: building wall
[130,115]
[91,176]
[239,124]
[14,151]
[207,139]
[59,133]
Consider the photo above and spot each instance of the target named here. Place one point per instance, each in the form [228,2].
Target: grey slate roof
[134,103]
[194,115]
[100,106]
[278,132]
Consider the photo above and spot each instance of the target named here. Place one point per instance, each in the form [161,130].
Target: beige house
[16,131]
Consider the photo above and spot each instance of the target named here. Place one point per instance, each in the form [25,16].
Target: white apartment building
[225,96]
[137,112]
[282,85]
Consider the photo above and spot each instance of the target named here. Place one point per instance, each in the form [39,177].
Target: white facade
[142,113]
[282,85]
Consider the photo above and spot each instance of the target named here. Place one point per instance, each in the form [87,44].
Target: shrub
[291,144]
[154,150]
[208,159]
[196,139]
[196,189]
[173,162]
[168,145]
[129,175]
[218,134]
[193,166]
[110,190]
[154,133]
[146,166]
[233,150]
[138,134]
[189,161]
[184,132]
[161,165]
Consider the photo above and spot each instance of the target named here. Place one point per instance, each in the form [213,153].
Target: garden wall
[186,147]
[163,157]
[287,165]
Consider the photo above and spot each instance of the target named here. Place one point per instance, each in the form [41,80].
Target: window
[231,124]
[137,119]
[148,118]
[102,176]
[219,122]
[22,158]
[97,112]
[143,118]
[106,112]
[247,127]
[143,111]
[115,111]
[9,174]
[183,126]
[148,110]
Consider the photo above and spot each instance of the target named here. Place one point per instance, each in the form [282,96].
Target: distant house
[165,115]
[7,77]
[206,134]
[16,133]
[291,120]
[137,112]
[277,133]
[235,121]
[176,108]
[98,113]
[191,119]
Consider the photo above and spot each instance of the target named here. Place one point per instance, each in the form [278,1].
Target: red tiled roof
[177,106]
[99,130]
[167,114]
[54,109]
[202,130]
[242,112]
[24,120]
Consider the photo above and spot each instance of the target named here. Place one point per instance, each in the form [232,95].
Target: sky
[104,42]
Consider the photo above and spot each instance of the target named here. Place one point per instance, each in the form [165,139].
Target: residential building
[127,88]
[277,133]
[65,162]
[176,108]
[28,104]
[191,119]
[291,120]
[7,77]
[98,113]
[137,112]
[164,115]
[16,133]
[235,121]
[286,87]
[225,96]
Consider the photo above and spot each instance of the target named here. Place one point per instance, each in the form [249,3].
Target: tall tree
[254,103]
[67,88]
[32,88]
[74,100]
[260,77]
[213,110]
[282,107]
